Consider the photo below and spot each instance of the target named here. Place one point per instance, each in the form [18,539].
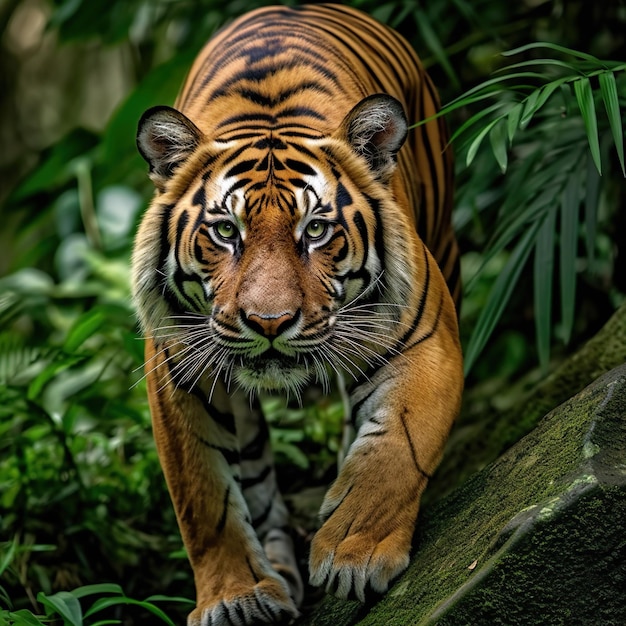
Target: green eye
[226,229]
[316,229]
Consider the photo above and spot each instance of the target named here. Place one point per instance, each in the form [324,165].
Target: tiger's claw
[350,568]
[263,604]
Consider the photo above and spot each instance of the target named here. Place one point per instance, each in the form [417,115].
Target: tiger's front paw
[347,565]
[267,602]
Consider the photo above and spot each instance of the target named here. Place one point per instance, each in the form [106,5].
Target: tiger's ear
[165,138]
[376,129]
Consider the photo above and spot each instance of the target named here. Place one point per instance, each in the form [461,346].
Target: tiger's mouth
[272,371]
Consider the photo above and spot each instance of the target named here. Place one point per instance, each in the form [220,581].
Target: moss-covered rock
[479,439]
[538,537]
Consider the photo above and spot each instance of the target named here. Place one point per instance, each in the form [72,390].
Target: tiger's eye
[226,229]
[316,229]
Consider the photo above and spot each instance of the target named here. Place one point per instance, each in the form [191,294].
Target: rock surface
[479,439]
[538,537]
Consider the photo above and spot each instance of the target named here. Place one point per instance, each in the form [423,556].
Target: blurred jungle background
[535,92]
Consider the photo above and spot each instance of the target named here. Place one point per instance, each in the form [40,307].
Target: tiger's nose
[269,325]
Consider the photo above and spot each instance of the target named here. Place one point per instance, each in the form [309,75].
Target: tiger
[300,233]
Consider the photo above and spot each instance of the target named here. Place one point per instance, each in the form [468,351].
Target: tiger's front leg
[404,415]
[198,450]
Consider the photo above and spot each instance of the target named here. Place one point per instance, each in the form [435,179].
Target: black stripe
[167,294]
[180,276]
[300,167]
[379,240]
[298,133]
[342,197]
[300,111]
[303,149]
[420,308]
[252,481]
[259,520]
[232,156]
[248,117]
[329,515]
[361,226]
[199,198]
[432,331]
[376,433]
[418,467]
[254,450]
[255,577]
[241,613]
[357,406]
[241,168]
[230,456]
[222,521]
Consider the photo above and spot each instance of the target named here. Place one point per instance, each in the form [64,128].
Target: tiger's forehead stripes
[269,169]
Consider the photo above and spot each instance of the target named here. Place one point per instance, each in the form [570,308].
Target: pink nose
[269,325]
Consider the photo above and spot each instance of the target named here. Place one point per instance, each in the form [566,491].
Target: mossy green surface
[479,439]
[539,537]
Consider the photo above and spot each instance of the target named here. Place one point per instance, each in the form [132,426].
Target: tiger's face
[271,271]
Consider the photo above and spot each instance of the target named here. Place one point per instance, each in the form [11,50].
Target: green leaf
[515,221]
[475,144]
[162,598]
[551,46]
[56,166]
[482,88]
[474,119]
[529,109]
[65,604]
[566,95]
[542,284]
[592,199]
[23,617]
[572,68]
[498,139]
[499,296]
[84,327]
[584,97]
[537,99]
[90,590]
[608,89]
[8,557]
[514,117]
[431,39]
[569,239]
[49,372]
[105,603]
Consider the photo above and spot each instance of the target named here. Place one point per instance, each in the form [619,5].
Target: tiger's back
[299,230]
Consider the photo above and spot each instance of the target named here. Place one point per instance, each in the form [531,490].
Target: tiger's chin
[272,375]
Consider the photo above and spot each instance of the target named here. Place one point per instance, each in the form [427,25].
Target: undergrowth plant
[68,608]
[554,126]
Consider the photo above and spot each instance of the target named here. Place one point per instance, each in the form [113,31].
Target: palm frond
[541,126]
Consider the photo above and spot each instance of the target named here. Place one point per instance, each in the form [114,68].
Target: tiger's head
[272,255]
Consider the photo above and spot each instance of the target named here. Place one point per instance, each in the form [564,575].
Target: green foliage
[66,606]
[556,169]
[307,437]
[82,493]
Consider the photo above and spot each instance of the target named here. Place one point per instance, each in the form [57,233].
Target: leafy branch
[518,113]
[549,179]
